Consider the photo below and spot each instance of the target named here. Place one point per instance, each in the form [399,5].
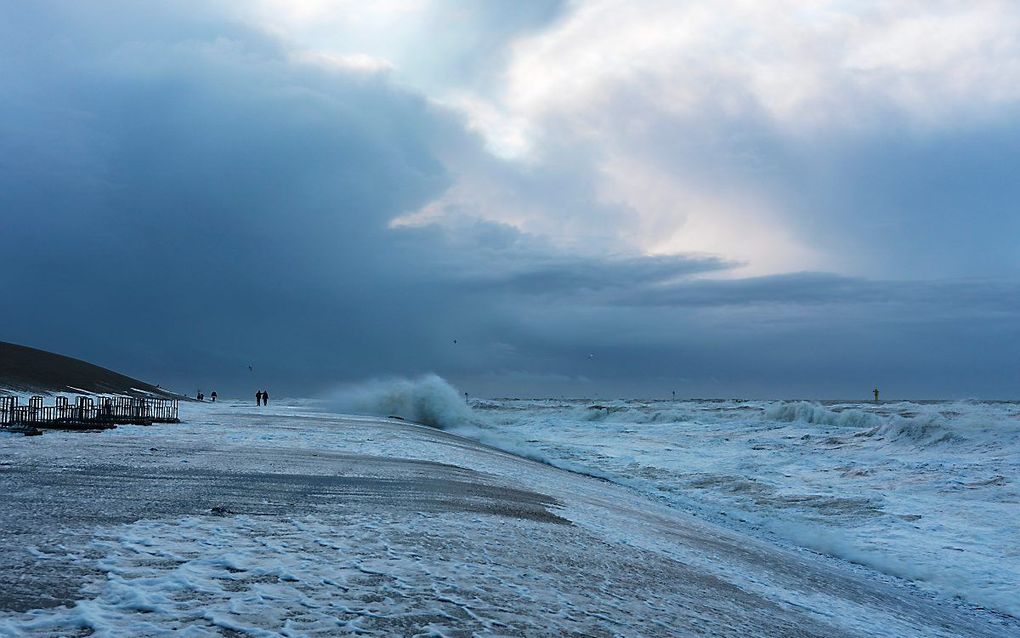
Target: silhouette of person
[258,398]
[876,394]
[213,396]
[265,398]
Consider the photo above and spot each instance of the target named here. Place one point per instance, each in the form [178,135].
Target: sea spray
[431,400]
[427,399]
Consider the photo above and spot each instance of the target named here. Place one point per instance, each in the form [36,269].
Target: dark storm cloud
[790,339]
[800,289]
[579,276]
[893,200]
[933,206]
[515,263]
[185,205]
[207,195]
[890,202]
[182,196]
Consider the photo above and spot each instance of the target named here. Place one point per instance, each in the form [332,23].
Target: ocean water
[925,491]
[921,496]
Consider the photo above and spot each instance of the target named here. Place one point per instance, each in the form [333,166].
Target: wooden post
[61,403]
[7,409]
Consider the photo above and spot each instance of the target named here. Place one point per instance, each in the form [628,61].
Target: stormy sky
[601,198]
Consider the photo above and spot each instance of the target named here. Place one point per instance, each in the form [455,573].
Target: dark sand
[439,532]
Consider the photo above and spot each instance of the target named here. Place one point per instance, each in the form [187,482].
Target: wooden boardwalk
[87,413]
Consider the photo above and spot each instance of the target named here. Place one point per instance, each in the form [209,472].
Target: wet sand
[332,526]
[49,507]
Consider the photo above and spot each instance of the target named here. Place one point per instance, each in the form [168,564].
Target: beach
[288,520]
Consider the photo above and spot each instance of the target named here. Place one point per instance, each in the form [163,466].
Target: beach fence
[87,413]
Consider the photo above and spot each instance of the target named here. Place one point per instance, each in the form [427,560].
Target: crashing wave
[819,415]
[629,414]
[428,400]
[925,430]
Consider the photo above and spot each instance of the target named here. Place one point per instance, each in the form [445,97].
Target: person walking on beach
[265,398]
[258,398]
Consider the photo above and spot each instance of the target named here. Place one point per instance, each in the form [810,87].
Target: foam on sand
[874,484]
[292,521]
[921,491]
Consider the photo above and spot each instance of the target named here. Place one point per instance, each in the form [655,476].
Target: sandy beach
[287,521]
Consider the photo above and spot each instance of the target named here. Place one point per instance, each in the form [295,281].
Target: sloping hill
[30,370]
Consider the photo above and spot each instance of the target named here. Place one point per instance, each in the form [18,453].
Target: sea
[925,491]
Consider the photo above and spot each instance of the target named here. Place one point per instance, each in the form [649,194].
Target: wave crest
[921,430]
[928,430]
[816,414]
[427,399]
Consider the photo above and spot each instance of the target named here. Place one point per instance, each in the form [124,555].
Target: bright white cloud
[609,79]
[306,19]
[357,62]
[798,61]
[253,186]
[672,216]
[614,73]
[366,36]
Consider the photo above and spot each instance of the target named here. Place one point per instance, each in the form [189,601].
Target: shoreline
[234,468]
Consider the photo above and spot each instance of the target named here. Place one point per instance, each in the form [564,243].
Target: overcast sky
[606,198]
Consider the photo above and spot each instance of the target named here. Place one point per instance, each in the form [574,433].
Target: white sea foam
[923,491]
[382,573]
[431,400]
[428,399]
[935,514]
[816,414]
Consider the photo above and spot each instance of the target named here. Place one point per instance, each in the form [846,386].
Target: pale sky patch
[671,217]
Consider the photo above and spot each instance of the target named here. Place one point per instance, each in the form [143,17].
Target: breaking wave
[897,469]
[428,400]
[915,425]
[816,414]
[431,400]
[629,414]
[927,430]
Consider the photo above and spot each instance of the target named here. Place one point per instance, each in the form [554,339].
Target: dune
[24,369]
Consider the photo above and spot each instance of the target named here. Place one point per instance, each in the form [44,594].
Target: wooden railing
[87,412]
